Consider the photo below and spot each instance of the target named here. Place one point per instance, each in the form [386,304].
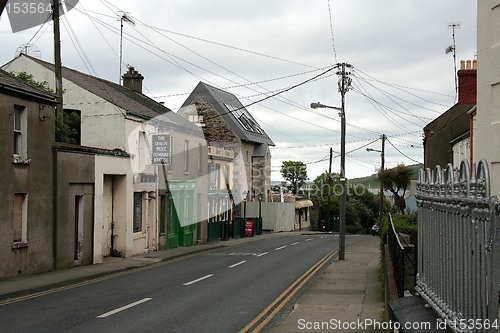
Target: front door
[172,224]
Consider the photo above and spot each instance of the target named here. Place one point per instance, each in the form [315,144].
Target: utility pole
[382,155]
[381,193]
[57,60]
[329,190]
[344,85]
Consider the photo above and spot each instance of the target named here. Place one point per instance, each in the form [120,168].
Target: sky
[401,76]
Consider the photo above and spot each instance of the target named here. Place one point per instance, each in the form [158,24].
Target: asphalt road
[219,291]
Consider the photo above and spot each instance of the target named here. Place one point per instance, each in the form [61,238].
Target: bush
[406,224]
[353,229]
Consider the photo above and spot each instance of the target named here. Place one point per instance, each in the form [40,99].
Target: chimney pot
[133,80]
[467,82]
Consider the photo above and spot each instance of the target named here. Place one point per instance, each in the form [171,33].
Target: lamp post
[342,173]
[244,213]
[260,213]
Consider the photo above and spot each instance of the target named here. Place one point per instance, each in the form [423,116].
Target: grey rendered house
[26,215]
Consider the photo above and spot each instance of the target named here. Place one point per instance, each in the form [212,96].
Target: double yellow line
[267,315]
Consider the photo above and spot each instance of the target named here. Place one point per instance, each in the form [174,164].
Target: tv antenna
[123,18]
[29,49]
[452,48]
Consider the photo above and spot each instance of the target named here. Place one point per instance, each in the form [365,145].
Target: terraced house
[133,210]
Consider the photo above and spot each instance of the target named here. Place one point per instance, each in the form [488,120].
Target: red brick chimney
[467,82]
[133,80]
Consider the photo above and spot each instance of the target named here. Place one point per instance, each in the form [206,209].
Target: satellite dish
[29,49]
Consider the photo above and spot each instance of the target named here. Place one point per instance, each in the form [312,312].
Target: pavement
[345,295]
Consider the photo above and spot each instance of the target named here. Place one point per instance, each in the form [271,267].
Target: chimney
[133,80]
[467,82]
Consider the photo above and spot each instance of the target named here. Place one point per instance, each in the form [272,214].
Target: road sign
[161,149]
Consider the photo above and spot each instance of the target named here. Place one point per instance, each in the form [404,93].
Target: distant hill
[372,181]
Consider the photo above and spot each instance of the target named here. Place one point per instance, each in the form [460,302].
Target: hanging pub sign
[161,149]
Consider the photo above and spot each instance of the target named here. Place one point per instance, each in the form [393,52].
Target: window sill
[20,160]
[19,245]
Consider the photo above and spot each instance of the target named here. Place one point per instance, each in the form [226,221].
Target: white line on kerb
[279,248]
[123,308]
[198,280]
[294,243]
[262,254]
[239,263]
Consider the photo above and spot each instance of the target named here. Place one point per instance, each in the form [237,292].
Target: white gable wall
[109,134]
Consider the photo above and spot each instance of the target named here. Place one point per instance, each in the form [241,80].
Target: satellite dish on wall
[29,49]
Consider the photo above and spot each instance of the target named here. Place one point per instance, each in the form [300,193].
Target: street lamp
[342,173]
[319,105]
[260,213]
[245,193]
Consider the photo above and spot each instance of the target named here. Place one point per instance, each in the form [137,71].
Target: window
[244,118]
[73,120]
[200,156]
[20,138]
[186,156]
[214,171]
[20,219]
[228,175]
[137,211]
[142,151]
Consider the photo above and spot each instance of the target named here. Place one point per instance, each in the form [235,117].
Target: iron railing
[458,253]
[399,257]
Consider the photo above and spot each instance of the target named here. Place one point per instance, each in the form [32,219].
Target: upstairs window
[200,157]
[186,156]
[71,132]
[20,133]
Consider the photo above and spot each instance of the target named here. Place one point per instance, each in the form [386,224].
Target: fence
[458,261]
[399,257]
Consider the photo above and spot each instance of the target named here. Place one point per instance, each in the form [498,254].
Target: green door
[184,214]
[187,231]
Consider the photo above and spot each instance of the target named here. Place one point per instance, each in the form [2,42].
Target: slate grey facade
[26,164]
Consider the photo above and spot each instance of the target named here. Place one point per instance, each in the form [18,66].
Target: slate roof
[13,85]
[133,102]
[244,126]
[456,116]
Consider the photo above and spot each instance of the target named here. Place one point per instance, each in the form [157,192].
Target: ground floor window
[137,211]
[20,217]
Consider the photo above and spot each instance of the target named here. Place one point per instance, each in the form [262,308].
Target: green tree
[396,180]
[296,173]
[64,133]
[29,79]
